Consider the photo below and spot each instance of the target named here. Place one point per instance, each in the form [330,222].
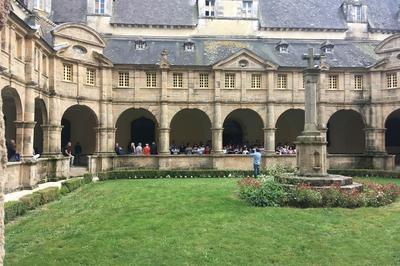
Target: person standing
[146,150]
[256,162]
[139,149]
[153,149]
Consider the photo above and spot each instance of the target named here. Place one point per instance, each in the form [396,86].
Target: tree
[4,9]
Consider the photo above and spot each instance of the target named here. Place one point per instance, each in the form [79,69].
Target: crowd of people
[285,149]
[132,149]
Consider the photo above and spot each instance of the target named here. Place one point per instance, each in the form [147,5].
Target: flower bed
[268,192]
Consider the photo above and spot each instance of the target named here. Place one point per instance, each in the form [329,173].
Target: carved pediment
[244,60]
[79,33]
[389,45]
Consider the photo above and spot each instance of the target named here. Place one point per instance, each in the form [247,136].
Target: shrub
[302,196]
[277,170]
[31,201]
[262,193]
[72,184]
[48,195]
[87,178]
[12,209]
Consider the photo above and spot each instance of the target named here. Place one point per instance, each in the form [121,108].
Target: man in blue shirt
[256,162]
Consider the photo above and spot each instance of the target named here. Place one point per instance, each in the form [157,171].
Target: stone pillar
[26,129]
[164,130]
[269,130]
[375,140]
[29,123]
[217,130]
[52,131]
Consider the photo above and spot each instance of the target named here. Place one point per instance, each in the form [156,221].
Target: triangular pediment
[244,60]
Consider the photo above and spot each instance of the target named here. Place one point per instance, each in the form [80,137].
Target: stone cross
[311,75]
[310,57]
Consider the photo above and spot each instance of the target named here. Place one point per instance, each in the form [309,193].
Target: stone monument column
[311,144]
[52,131]
[28,125]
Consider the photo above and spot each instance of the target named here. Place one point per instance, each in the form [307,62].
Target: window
[210,8]
[391,80]
[358,82]
[123,79]
[18,46]
[333,82]
[283,49]
[203,80]
[99,7]
[255,81]
[177,80]
[90,76]
[37,58]
[3,39]
[44,64]
[151,80]
[230,81]
[67,72]
[357,13]
[38,4]
[140,45]
[247,8]
[189,47]
[282,81]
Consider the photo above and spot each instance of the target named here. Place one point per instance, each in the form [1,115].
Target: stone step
[322,181]
[77,171]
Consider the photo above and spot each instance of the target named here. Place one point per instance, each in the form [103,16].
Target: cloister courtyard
[197,222]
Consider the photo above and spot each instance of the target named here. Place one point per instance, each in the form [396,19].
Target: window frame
[282,81]
[123,79]
[68,77]
[204,80]
[333,82]
[177,80]
[151,79]
[256,81]
[247,8]
[391,80]
[358,82]
[230,81]
[101,8]
[90,76]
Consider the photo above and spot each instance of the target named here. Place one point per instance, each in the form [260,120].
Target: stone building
[99,72]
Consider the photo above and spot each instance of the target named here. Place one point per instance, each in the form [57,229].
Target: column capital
[269,128]
[217,129]
[52,127]
[106,129]
[164,129]
[25,124]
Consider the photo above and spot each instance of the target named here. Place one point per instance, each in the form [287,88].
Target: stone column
[375,140]
[269,130]
[164,130]
[52,131]
[29,123]
[217,130]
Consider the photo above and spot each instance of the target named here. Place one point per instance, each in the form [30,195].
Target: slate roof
[155,12]
[313,14]
[384,14]
[69,11]
[347,54]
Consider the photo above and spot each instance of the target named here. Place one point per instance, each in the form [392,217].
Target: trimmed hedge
[72,184]
[14,209]
[31,201]
[156,174]
[48,195]
[366,173]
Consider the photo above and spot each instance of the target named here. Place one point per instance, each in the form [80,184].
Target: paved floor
[75,172]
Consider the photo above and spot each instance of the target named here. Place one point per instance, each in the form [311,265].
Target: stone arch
[136,125]
[41,118]
[392,134]
[12,112]
[191,126]
[79,125]
[243,127]
[346,133]
[289,126]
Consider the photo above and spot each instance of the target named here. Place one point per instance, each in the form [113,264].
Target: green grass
[196,222]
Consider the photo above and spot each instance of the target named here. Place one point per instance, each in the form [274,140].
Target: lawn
[196,222]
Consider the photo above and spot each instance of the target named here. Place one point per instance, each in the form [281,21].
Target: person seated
[11,151]
[188,149]
[146,150]
[68,152]
[207,150]
[132,148]
[153,149]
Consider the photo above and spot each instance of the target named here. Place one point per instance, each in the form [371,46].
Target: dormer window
[189,47]
[357,13]
[247,8]
[282,47]
[99,7]
[209,8]
[140,45]
[327,47]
